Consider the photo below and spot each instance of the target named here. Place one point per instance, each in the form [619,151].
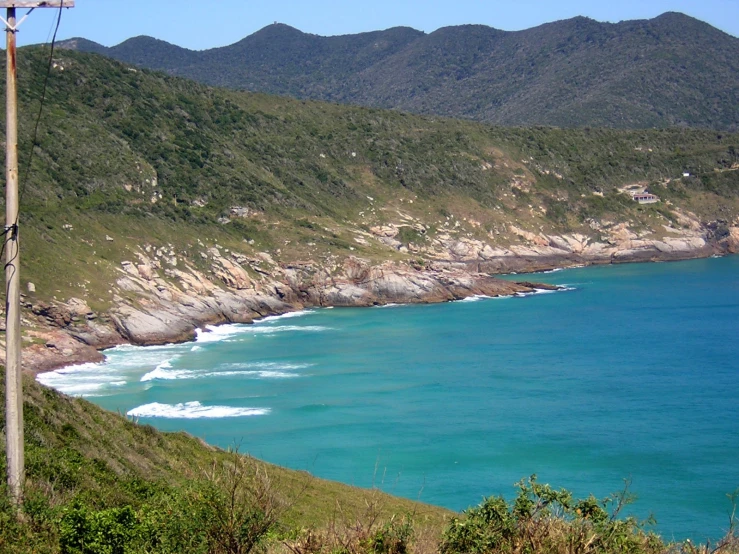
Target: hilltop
[672,70]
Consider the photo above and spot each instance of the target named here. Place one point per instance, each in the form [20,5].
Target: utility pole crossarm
[36,4]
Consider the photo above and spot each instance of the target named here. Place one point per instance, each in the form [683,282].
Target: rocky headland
[161,297]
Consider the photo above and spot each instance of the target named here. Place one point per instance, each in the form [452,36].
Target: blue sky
[209,23]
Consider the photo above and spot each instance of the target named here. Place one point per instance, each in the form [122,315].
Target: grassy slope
[149,159]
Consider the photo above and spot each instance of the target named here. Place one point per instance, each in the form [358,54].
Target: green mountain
[669,71]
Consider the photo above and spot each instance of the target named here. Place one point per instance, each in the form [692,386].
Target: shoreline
[65,347]
[202,329]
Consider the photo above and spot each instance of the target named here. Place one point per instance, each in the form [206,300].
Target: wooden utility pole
[13,378]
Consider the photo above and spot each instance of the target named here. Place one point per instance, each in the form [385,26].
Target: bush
[104,532]
[239,506]
[543,520]
[368,534]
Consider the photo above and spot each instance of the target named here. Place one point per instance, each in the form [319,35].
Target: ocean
[631,375]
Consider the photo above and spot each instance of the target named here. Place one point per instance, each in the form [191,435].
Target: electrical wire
[34,143]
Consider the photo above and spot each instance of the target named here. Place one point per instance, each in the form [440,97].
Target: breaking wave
[288,315]
[217,333]
[164,371]
[82,380]
[261,370]
[474,298]
[193,410]
[563,288]
[289,328]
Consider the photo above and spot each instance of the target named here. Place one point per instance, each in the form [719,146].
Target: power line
[49,66]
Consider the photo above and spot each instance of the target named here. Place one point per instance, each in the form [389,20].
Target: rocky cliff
[160,297]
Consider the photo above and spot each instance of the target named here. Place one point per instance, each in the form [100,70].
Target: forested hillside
[669,71]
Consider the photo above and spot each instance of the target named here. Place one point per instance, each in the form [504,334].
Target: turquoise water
[633,374]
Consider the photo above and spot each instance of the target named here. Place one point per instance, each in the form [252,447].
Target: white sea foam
[126,363]
[563,288]
[288,315]
[165,372]
[275,375]
[474,298]
[123,364]
[391,305]
[82,389]
[289,328]
[268,366]
[216,333]
[261,370]
[193,410]
[81,380]
[127,358]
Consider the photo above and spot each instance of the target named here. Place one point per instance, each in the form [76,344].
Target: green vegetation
[542,519]
[149,159]
[669,71]
[129,159]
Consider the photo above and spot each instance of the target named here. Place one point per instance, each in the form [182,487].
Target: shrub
[368,534]
[238,506]
[103,532]
[543,520]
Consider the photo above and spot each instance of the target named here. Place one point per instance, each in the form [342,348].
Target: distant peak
[82,45]
[675,16]
[144,39]
[279,28]
[145,42]
[677,22]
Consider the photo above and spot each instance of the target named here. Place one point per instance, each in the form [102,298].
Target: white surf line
[81,380]
[193,410]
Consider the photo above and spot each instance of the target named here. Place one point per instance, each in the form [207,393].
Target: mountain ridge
[673,70]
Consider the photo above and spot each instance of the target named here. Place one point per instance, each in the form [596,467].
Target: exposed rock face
[160,310]
[55,349]
[618,244]
[358,283]
[732,241]
[167,298]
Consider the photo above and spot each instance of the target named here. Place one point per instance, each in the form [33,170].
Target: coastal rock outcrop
[157,310]
[617,243]
[165,297]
